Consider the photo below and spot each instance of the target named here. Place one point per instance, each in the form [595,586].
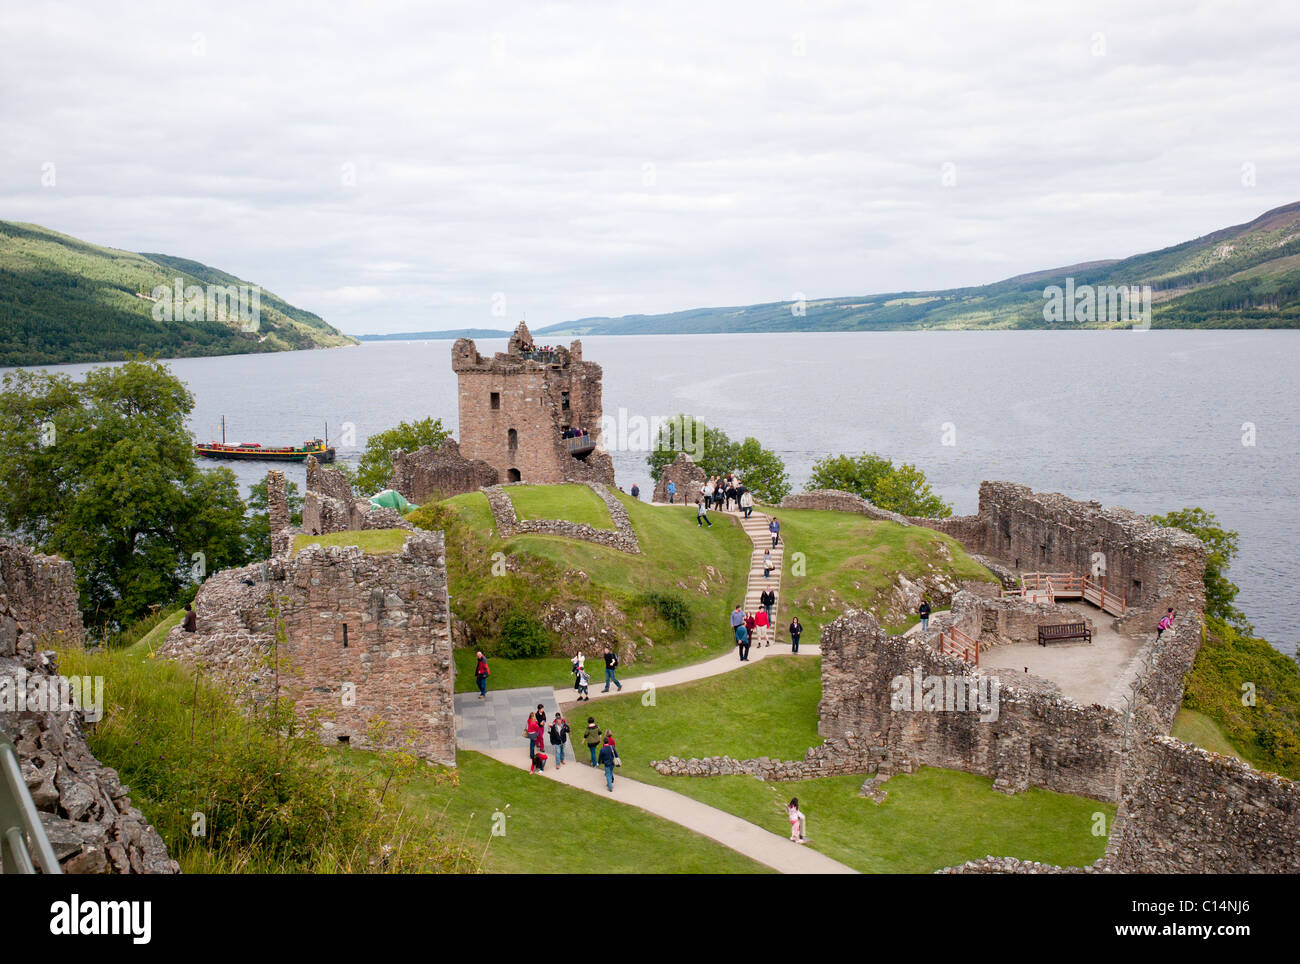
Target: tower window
[512,439]
[496,401]
[564,401]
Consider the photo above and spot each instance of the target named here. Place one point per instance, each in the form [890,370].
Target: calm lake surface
[1148,420]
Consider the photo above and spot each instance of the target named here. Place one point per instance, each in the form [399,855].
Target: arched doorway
[512,475]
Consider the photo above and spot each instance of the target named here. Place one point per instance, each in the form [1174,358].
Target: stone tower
[516,407]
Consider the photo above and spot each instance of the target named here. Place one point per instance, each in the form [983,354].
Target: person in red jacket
[535,734]
[481,672]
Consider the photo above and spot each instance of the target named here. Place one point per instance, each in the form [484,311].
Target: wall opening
[345,635]
[512,440]
[512,475]
[496,401]
[564,401]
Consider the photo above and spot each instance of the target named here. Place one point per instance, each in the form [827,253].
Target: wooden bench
[1063,631]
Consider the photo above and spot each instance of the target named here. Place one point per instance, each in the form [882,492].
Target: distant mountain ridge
[66,300]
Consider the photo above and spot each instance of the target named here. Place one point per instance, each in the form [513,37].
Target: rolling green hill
[1246,276]
[64,300]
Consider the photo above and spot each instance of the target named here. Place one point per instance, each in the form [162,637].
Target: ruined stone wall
[1154,566]
[1038,739]
[834,500]
[368,638]
[1012,619]
[329,506]
[440,473]
[328,481]
[685,475]
[535,399]
[1187,810]
[38,596]
[85,809]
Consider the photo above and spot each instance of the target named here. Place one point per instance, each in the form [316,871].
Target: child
[797,822]
[583,682]
[539,759]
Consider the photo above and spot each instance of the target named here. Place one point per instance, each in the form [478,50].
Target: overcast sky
[394,167]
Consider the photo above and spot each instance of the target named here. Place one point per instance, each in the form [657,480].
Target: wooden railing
[1067,585]
[957,643]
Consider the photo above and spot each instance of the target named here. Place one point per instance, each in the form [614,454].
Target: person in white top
[797,822]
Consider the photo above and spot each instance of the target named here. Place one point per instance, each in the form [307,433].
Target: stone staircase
[756,528]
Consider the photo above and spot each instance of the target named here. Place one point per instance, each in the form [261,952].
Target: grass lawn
[851,561]
[370,541]
[151,640]
[930,819]
[705,568]
[555,829]
[1199,730]
[576,503]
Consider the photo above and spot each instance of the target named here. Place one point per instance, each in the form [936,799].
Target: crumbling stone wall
[622,536]
[439,473]
[685,475]
[86,811]
[1154,566]
[367,638]
[831,759]
[329,506]
[835,500]
[1038,739]
[514,408]
[1012,619]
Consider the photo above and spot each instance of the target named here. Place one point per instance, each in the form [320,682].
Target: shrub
[523,637]
[433,516]
[671,608]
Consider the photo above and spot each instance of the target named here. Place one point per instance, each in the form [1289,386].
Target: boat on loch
[320,449]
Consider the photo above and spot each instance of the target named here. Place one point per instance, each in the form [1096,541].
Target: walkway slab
[769,849]
[498,722]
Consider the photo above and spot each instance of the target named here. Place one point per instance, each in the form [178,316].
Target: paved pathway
[498,721]
[753,841]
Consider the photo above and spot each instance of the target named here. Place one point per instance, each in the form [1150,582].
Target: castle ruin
[517,407]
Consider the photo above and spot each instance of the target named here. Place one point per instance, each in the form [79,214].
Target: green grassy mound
[573,503]
[930,819]
[852,561]
[1199,730]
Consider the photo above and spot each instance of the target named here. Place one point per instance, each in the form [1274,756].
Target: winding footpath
[489,727]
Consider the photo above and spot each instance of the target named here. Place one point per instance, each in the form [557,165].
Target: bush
[672,609]
[433,516]
[523,637]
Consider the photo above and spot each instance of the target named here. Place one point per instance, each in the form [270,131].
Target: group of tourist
[581,681]
[600,745]
[725,492]
[759,627]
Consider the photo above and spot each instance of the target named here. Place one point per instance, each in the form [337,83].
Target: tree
[257,530]
[376,465]
[902,488]
[762,472]
[709,447]
[1221,547]
[102,472]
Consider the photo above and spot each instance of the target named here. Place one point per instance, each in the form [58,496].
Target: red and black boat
[257,452]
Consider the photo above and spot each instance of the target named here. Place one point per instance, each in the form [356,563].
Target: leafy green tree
[376,465]
[257,531]
[102,472]
[1221,547]
[762,471]
[902,488]
[711,449]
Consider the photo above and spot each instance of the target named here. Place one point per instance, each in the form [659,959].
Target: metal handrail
[19,817]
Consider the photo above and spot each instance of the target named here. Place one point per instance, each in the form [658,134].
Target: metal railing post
[20,821]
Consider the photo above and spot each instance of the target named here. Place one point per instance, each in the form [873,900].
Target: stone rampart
[439,473]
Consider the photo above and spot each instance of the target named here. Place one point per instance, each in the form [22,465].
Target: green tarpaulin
[392,500]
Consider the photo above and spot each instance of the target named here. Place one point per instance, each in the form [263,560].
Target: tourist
[584,681]
[737,620]
[761,623]
[671,489]
[611,663]
[923,611]
[768,565]
[719,496]
[591,737]
[607,758]
[559,737]
[746,501]
[702,514]
[481,673]
[636,491]
[774,527]
[751,624]
[1166,621]
[541,719]
[534,733]
[742,642]
[796,630]
[767,599]
[797,821]
[539,758]
[191,623]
